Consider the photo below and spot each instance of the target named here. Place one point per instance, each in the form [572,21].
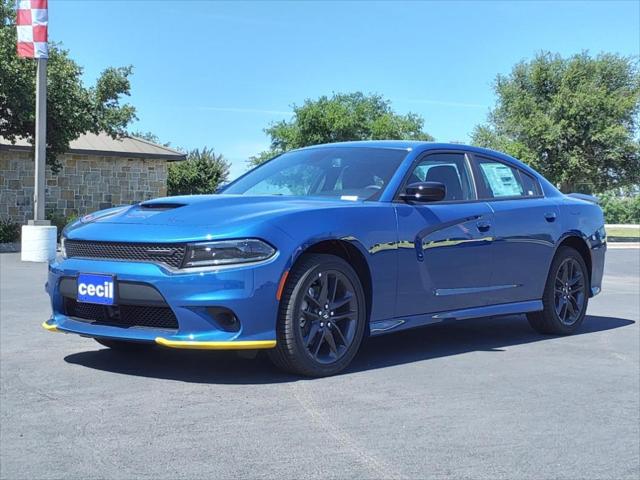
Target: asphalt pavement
[486,398]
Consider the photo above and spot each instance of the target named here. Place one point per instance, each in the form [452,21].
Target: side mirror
[424,192]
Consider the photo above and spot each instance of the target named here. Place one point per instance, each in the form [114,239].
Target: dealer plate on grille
[95,288]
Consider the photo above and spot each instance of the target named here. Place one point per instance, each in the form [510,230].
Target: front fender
[370,228]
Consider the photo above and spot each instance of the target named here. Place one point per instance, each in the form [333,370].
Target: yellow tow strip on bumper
[195,345]
[51,328]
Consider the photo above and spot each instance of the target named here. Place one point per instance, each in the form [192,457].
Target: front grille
[124,316]
[170,254]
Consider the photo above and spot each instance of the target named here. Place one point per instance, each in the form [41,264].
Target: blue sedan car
[311,252]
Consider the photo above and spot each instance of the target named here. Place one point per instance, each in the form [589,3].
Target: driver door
[445,255]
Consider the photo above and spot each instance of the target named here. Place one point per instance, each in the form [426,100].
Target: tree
[574,119]
[72,109]
[202,172]
[341,117]
[149,137]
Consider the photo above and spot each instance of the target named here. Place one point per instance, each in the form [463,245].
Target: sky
[215,74]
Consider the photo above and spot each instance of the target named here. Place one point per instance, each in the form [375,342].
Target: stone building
[97,172]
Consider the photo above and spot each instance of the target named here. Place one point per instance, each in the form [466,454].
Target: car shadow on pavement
[446,339]
[436,341]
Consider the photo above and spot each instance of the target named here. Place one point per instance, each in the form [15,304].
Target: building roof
[102,144]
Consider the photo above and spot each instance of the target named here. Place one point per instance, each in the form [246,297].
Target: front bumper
[248,291]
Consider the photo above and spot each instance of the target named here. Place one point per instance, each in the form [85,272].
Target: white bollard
[38,243]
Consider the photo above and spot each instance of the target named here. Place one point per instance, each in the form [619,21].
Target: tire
[566,295]
[318,340]
[124,346]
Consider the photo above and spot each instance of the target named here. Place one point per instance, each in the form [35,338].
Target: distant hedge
[620,209]
[9,231]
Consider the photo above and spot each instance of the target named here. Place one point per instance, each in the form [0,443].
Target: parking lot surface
[485,398]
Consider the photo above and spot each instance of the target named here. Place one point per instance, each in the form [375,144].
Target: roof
[103,144]
[392,144]
[395,145]
[416,145]
[422,146]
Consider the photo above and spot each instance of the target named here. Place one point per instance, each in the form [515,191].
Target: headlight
[63,250]
[226,252]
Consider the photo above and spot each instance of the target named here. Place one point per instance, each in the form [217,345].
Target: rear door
[526,225]
[445,255]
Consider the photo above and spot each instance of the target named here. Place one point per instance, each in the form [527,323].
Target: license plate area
[96,288]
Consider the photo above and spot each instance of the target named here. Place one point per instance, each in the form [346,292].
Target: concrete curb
[622,239]
[10,247]
[624,245]
[622,225]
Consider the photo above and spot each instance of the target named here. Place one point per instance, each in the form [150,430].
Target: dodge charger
[312,252]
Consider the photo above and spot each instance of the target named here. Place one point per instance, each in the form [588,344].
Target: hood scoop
[160,206]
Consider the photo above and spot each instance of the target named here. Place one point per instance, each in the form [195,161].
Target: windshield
[349,173]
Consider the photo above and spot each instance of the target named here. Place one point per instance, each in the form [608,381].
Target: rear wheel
[322,316]
[124,346]
[566,295]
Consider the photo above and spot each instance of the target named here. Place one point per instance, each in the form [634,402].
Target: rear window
[502,181]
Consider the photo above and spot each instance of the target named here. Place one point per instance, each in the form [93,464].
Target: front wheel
[322,317]
[566,295]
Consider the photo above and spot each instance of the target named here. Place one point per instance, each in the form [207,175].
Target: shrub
[9,231]
[60,220]
[202,172]
[620,209]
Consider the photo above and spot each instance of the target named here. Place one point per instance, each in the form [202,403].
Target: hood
[208,210]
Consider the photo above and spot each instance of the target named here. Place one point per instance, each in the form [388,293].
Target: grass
[632,232]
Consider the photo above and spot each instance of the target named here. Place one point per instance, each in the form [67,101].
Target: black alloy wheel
[322,317]
[328,316]
[569,291]
[566,295]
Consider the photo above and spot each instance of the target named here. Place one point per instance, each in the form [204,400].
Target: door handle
[550,217]
[483,226]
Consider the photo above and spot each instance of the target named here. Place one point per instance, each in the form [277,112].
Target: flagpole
[38,239]
[41,144]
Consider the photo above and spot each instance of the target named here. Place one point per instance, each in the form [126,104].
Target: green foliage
[339,118]
[149,137]
[72,109]
[573,119]
[620,209]
[202,172]
[59,220]
[9,231]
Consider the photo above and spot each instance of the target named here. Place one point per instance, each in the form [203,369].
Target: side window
[530,185]
[451,169]
[501,180]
